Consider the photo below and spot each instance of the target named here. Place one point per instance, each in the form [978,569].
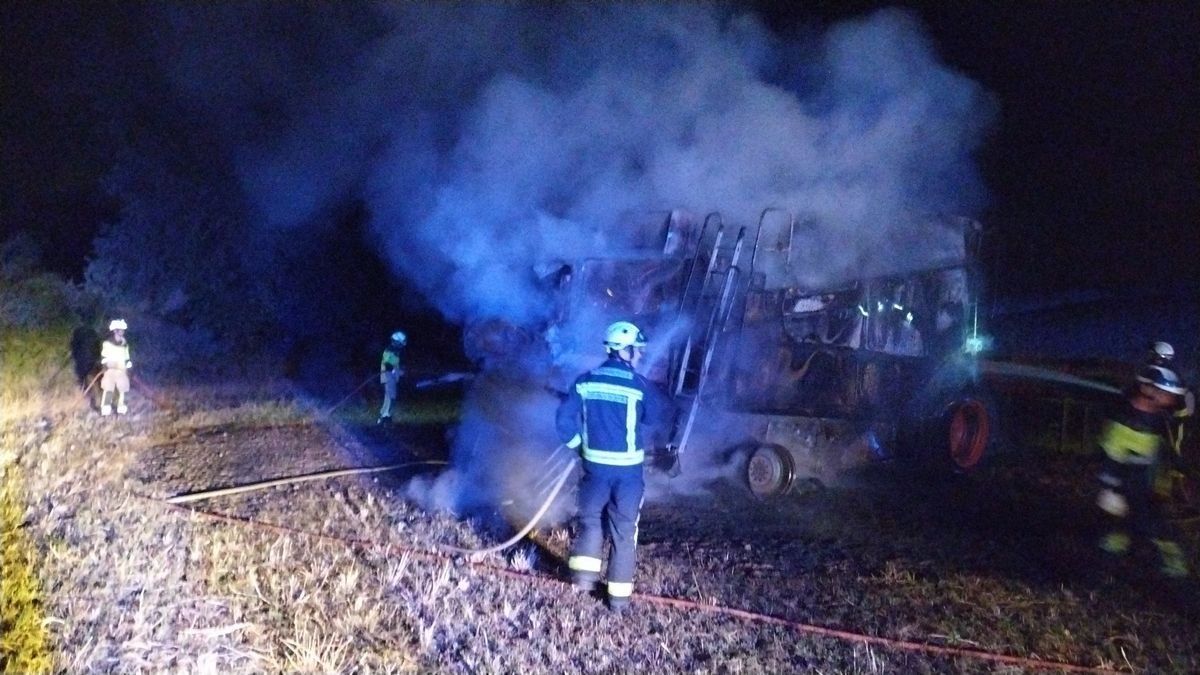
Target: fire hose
[691,605]
[223,492]
[562,473]
[562,479]
[567,470]
[90,385]
[370,379]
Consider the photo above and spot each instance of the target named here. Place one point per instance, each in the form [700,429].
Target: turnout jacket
[113,355]
[1133,438]
[390,360]
[609,414]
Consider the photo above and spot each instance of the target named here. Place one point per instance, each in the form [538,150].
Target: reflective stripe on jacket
[607,411]
[1131,438]
[389,358]
[113,355]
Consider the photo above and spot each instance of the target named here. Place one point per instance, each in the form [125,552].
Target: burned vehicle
[796,380]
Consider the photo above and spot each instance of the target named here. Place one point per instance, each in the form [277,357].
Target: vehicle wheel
[770,471]
[967,425]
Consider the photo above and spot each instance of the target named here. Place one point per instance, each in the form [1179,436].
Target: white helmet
[623,334]
[1161,378]
[118,324]
[399,337]
[1163,351]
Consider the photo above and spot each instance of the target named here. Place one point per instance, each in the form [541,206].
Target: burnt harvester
[798,379]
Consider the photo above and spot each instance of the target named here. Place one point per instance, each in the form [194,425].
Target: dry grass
[133,586]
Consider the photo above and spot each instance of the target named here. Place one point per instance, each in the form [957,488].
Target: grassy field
[347,574]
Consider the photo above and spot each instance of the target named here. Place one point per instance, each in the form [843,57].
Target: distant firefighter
[114,358]
[390,373]
[1162,354]
[1133,446]
[606,416]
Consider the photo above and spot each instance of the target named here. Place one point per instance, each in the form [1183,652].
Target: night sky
[1093,164]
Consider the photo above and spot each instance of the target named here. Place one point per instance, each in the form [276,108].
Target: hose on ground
[91,384]
[262,485]
[562,479]
[370,378]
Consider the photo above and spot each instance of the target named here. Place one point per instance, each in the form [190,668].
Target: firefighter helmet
[1161,378]
[118,324]
[1162,351]
[623,334]
[400,338]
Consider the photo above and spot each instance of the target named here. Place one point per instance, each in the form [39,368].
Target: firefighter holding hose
[1133,446]
[608,415]
[115,360]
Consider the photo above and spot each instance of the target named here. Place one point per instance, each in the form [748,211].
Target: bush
[38,315]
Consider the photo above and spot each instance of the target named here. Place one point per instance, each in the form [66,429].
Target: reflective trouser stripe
[620,589]
[584,563]
[1129,446]
[618,458]
[1173,562]
[1115,542]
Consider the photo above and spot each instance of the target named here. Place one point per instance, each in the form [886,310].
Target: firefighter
[390,373]
[608,415]
[114,359]
[1168,480]
[1132,444]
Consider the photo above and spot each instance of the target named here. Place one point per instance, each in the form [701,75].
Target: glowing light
[977,344]
[863,310]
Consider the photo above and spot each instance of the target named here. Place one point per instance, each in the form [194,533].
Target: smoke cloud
[488,139]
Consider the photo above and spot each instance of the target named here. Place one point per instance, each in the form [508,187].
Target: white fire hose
[562,471]
[558,485]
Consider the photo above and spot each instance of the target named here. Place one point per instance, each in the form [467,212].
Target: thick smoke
[488,140]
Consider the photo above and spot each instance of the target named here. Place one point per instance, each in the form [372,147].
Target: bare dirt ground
[349,577]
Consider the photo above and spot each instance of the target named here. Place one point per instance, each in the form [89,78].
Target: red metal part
[969,429]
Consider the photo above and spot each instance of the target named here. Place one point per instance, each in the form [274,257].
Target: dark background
[1093,165]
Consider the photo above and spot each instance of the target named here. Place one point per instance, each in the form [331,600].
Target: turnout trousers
[610,500]
[1144,520]
[388,379]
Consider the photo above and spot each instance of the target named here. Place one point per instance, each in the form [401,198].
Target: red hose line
[844,635]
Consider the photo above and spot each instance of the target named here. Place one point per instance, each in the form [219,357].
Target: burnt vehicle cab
[799,381]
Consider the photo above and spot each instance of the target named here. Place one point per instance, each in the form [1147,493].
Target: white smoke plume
[490,138]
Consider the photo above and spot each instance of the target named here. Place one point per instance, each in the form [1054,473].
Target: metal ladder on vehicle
[715,299]
[724,287]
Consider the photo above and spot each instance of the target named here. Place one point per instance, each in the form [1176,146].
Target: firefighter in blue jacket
[608,415]
[1133,447]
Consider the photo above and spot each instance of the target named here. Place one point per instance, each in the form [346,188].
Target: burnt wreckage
[798,380]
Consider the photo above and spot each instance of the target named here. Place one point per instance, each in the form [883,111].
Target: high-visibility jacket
[113,355]
[609,413]
[1132,437]
[390,360]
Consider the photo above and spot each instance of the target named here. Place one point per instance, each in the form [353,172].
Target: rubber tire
[770,471]
[954,436]
[965,431]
